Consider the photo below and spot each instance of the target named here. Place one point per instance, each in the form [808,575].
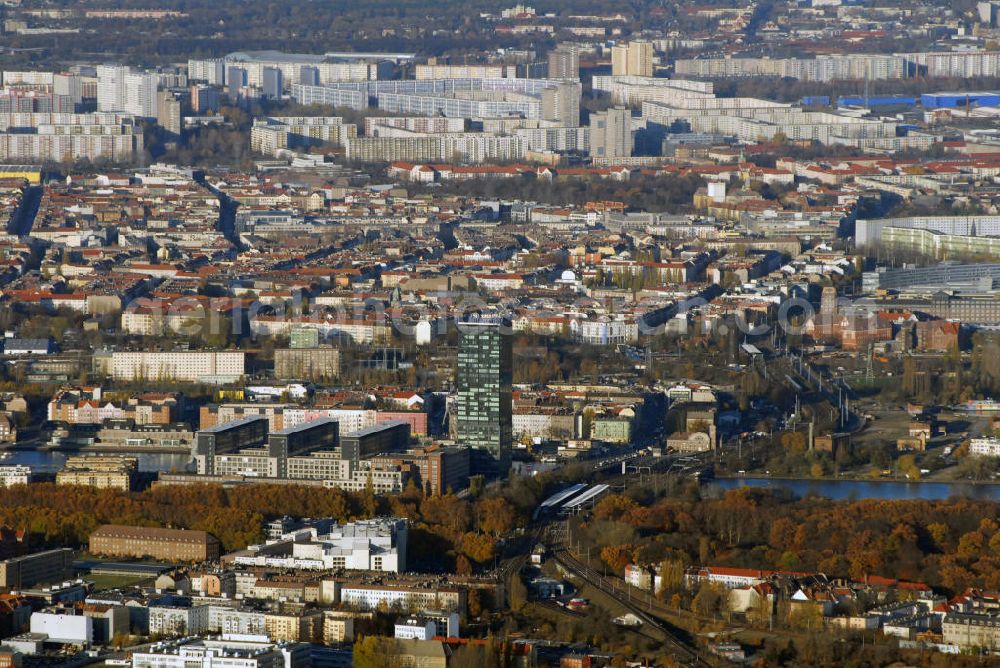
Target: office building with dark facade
[379,439]
[321,434]
[31,569]
[484,419]
[228,437]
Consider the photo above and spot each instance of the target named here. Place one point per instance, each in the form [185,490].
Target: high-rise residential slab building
[564,62]
[168,113]
[632,59]
[236,79]
[191,366]
[212,72]
[309,75]
[205,99]
[68,84]
[272,81]
[561,103]
[119,88]
[484,377]
[611,133]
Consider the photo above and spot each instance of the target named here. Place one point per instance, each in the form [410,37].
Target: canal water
[864,489]
[51,462]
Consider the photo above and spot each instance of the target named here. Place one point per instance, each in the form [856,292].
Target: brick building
[167,544]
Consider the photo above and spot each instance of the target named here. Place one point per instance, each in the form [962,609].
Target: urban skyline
[451,335]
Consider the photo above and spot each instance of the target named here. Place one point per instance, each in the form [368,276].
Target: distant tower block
[828,301]
[423,332]
[717,191]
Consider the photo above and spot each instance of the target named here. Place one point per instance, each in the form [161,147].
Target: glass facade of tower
[484,376]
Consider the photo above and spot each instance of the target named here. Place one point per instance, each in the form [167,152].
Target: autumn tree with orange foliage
[950,544]
[617,557]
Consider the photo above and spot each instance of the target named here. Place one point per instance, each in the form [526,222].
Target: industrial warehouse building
[167,544]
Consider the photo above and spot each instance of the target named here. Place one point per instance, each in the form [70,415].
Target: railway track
[680,649]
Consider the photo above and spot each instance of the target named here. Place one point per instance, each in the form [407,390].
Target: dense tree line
[447,531]
[949,545]
[647,193]
[216,27]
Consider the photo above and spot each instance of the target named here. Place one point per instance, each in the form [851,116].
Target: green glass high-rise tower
[484,377]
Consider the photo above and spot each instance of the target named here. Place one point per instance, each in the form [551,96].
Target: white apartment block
[422,124]
[393,144]
[119,88]
[249,462]
[458,98]
[27,78]
[346,474]
[468,88]
[270,135]
[561,103]
[212,71]
[323,465]
[985,447]
[183,366]
[383,479]
[501,104]
[748,119]
[350,419]
[295,68]
[58,136]
[851,66]
[372,597]
[466,71]
[559,140]
[611,133]
[544,425]
[178,621]
[360,331]
[870,230]
[22,120]
[352,99]
[14,475]
[225,619]
[633,58]
[730,578]
[631,90]
[55,148]
[414,628]
[606,331]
